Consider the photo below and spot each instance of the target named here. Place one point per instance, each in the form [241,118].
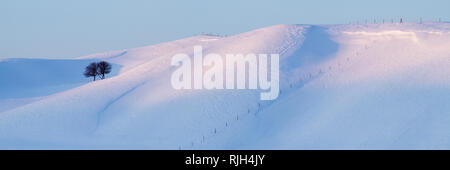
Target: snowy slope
[342,86]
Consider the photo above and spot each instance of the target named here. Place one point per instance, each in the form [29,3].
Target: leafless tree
[103,68]
[91,70]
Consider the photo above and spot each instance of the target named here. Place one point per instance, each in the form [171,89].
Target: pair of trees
[98,69]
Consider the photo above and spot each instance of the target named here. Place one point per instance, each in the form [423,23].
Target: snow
[372,86]
[23,78]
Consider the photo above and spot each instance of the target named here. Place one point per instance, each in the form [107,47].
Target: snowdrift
[374,86]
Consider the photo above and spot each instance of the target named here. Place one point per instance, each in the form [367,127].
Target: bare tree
[91,70]
[103,68]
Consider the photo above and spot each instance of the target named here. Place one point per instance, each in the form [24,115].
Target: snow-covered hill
[375,86]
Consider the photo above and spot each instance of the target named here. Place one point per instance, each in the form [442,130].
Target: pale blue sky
[68,29]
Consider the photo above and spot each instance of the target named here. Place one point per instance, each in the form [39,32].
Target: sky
[74,28]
